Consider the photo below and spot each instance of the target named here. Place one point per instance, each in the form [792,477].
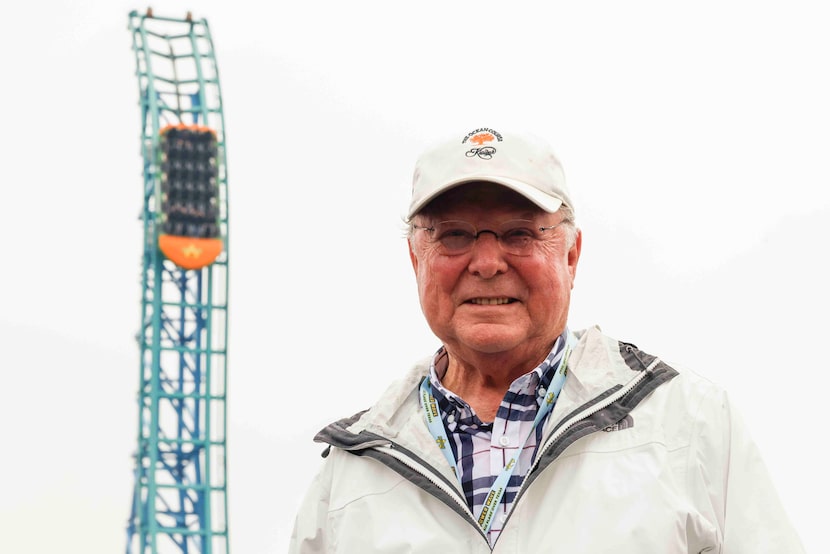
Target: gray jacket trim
[364,443]
[637,361]
[420,480]
[335,434]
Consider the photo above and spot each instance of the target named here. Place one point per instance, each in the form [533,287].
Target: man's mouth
[490,301]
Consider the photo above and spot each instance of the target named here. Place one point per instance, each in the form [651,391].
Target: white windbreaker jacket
[638,458]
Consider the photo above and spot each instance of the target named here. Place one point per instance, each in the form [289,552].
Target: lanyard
[436,427]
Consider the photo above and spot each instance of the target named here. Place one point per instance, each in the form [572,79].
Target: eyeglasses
[516,236]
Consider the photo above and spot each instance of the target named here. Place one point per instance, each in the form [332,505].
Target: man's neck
[483,383]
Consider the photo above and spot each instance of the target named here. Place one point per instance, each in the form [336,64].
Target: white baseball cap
[523,163]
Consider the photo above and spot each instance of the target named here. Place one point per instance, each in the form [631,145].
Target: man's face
[488,301]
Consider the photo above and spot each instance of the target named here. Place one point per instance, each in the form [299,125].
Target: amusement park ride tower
[180,501]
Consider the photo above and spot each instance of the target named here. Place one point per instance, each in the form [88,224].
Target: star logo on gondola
[192,251]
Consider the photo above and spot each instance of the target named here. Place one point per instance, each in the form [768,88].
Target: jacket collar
[595,366]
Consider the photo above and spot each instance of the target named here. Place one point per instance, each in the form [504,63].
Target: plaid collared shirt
[482,449]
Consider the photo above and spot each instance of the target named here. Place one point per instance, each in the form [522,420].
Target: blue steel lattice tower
[180,498]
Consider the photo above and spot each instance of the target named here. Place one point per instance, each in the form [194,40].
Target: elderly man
[519,435]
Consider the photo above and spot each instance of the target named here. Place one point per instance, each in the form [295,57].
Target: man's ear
[412,257]
[573,255]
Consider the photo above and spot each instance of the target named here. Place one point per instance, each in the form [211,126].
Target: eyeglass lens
[515,236]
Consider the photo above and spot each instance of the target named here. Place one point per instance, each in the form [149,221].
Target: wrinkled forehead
[480,199]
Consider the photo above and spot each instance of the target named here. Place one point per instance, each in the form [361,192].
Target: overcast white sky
[695,137]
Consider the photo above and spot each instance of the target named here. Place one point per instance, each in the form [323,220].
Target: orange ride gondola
[189,215]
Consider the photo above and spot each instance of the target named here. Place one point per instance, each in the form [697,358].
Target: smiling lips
[490,301]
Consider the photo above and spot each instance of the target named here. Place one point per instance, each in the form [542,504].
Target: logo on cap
[485,153]
[480,137]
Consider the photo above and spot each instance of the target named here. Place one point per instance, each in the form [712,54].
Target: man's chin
[490,338]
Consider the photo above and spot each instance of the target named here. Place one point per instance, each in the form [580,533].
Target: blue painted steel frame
[180,497]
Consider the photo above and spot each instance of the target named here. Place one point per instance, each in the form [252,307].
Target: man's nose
[487,257]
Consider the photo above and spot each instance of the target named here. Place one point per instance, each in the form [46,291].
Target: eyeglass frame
[477,233]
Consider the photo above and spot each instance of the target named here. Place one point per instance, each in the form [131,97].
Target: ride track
[180,497]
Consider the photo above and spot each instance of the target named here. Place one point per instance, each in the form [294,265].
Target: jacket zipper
[427,472]
[594,409]
[576,419]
